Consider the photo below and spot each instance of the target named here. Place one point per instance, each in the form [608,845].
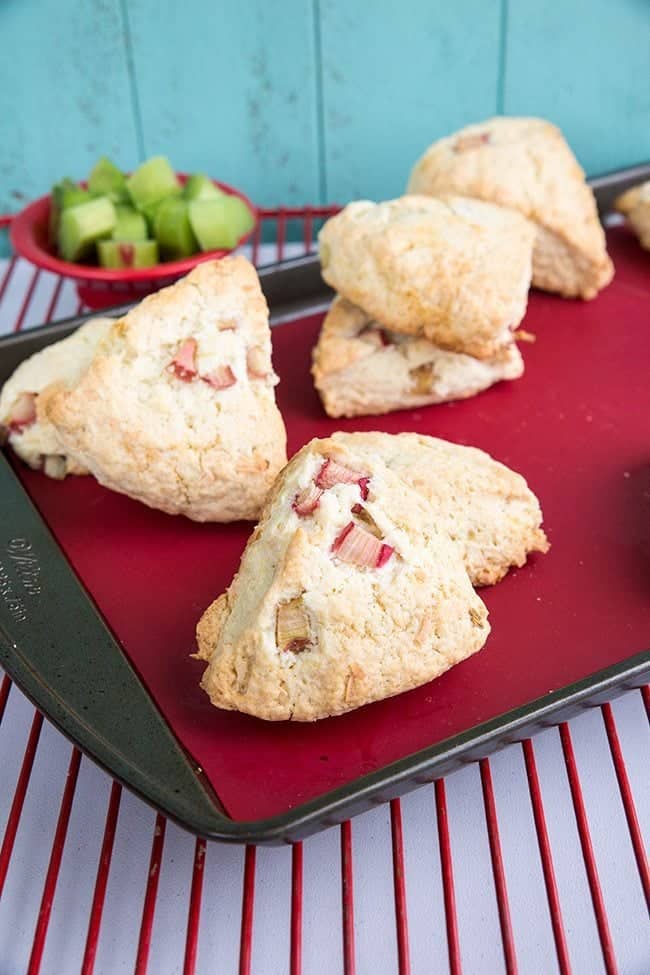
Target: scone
[455,272]
[349,591]
[487,509]
[25,427]
[361,368]
[635,204]
[526,164]
[177,409]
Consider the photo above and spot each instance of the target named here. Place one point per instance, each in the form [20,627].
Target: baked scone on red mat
[348,592]
[360,368]
[635,204]
[177,409]
[487,509]
[454,271]
[527,165]
[24,425]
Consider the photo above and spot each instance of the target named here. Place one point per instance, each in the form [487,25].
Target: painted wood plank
[396,77]
[231,89]
[586,66]
[65,96]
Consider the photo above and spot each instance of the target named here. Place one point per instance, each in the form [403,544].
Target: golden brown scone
[348,592]
[635,204]
[360,368]
[455,272]
[177,409]
[526,164]
[28,431]
[487,509]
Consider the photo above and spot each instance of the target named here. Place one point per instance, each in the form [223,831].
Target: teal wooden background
[308,100]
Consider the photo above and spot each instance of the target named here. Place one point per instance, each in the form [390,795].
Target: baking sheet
[577,425]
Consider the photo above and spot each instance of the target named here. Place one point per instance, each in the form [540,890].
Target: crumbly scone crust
[488,509]
[454,271]
[375,632]
[185,447]
[525,164]
[360,368]
[635,204]
[62,362]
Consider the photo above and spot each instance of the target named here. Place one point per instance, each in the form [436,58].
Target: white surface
[375,938]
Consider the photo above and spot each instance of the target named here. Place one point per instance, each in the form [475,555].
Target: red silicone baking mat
[577,425]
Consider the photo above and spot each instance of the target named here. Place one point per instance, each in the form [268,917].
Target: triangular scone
[487,509]
[177,409]
[526,164]
[360,368]
[635,204]
[348,592]
[26,428]
[456,272]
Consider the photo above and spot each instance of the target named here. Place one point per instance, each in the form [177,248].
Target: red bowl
[100,287]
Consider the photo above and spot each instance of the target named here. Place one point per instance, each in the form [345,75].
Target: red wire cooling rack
[279,225]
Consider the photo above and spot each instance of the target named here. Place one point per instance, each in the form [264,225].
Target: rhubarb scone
[25,427]
[635,204]
[177,409]
[349,591]
[455,272]
[526,164]
[360,368]
[487,509]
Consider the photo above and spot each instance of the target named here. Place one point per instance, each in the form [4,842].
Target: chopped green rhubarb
[129,225]
[82,225]
[127,253]
[107,180]
[68,194]
[152,181]
[239,215]
[200,187]
[219,224]
[173,231]
[64,194]
[211,226]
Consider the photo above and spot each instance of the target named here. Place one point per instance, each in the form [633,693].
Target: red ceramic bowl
[99,287]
